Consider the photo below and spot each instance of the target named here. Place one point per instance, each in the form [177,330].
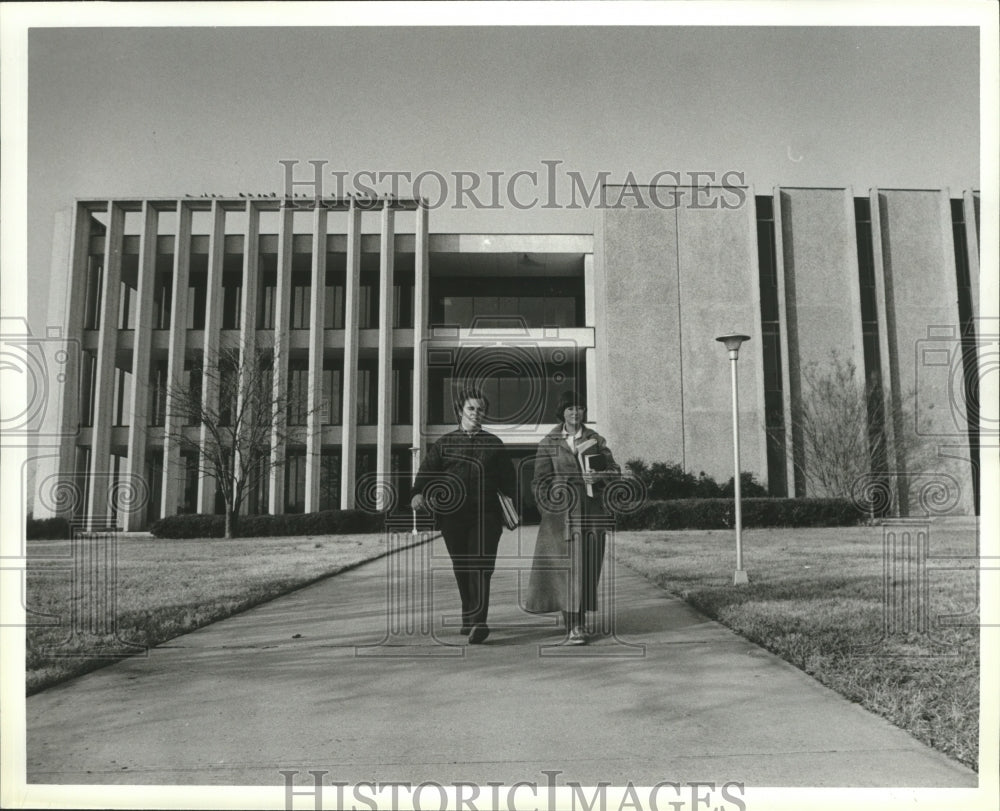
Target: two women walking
[460,480]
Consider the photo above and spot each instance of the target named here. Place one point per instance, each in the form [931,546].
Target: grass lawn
[166,588]
[816,598]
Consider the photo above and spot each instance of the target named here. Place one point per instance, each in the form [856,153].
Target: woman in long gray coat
[570,463]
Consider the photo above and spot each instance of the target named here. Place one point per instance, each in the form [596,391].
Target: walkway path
[286,686]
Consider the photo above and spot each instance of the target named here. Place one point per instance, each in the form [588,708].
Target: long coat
[568,556]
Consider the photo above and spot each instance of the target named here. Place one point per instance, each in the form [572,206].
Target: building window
[259,487]
[229,381]
[162,292]
[267,298]
[487,303]
[191,392]
[126,305]
[298,392]
[232,291]
[368,300]
[331,401]
[402,301]
[92,304]
[301,287]
[520,392]
[367,392]
[295,482]
[123,400]
[401,468]
[191,473]
[158,392]
[333,305]
[82,479]
[117,464]
[329,480]
[197,292]
[154,478]
[774,402]
[402,392]
[88,384]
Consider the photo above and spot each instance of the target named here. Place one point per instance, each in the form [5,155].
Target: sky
[175,111]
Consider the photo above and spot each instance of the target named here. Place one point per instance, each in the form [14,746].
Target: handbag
[511,520]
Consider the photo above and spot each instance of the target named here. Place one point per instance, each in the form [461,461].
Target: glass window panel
[458,310]
[162,292]
[92,306]
[485,305]
[532,310]
[333,303]
[560,311]
[366,320]
[268,289]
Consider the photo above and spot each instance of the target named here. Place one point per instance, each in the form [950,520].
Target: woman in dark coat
[570,463]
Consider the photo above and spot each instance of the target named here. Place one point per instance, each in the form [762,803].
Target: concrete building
[372,318]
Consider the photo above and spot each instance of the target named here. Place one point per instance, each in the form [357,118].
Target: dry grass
[817,599]
[166,588]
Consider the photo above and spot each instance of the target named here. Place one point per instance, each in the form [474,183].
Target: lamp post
[414,466]
[732,342]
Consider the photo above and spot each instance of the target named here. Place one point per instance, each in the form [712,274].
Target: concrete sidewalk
[304,683]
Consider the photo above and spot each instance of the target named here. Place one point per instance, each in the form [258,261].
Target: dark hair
[464,395]
[567,399]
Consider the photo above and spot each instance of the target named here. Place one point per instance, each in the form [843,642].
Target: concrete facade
[628,314]
[919,308]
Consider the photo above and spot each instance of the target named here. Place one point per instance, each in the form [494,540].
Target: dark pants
[472,545]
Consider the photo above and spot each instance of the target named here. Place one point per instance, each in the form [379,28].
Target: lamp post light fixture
[732,342]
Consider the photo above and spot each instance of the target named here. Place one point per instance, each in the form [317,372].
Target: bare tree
[238,413]
[848,431]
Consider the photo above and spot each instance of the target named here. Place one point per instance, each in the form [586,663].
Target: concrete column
[349,411]
[211,355]
[924,350]
[972,247]
[173,472]
[755,440]
[134,519]
[594,413]
[599,398]
[421,325]
[317,299]
[884,314]
[100,469]
[76,293]
[276,489]
[248,317]
[793,486]
[387,250]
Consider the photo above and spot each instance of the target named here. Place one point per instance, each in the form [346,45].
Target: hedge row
[327,522]
[717,513]
[46,529]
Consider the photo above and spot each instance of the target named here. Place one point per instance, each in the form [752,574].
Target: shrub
[718,513]
[327,522]
[46,529]
[667,480]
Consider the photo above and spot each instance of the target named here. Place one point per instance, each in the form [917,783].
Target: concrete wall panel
[822,291]
[922,323]
[719,293]
[644,407]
